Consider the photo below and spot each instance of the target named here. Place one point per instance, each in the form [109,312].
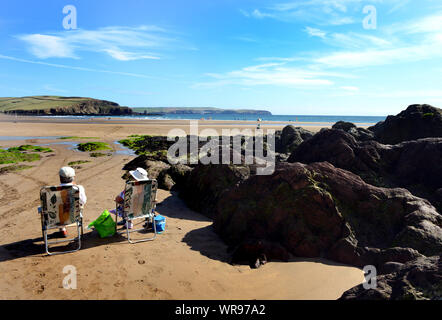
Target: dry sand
[188,261]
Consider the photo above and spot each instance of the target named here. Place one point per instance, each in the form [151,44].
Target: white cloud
[128,56]
[323,12]
[388,46]
[398,6]
[45,46]
[315,32]
[260,15]
[121,43]
[363,50]
[276,74]
[431,23]
[62,66]
[367,58]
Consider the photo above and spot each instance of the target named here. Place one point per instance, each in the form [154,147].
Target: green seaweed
[16,156]
[31,148]
[14,168]
[93,146]
[74,163]
[99,154]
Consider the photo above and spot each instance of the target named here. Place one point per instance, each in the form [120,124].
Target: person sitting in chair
[136,175]
[67,178]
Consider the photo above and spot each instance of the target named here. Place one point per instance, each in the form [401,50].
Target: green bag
[105,225]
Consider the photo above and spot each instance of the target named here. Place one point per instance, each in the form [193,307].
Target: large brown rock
[156,169]
[416,122]
[206,184]
[360,134]
[319,210]
[290,138]
[415,165]
[343,151]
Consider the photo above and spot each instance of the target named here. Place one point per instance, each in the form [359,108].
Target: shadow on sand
[31,247]
[203,240]
[174,207]
[208,243]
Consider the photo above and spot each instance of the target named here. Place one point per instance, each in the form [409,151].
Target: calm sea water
[248,117]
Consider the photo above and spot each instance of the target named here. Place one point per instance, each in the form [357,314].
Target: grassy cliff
[55,105]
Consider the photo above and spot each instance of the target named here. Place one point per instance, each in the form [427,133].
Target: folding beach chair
[60,207]
[139,203]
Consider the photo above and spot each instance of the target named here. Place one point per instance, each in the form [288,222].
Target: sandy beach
[188,261]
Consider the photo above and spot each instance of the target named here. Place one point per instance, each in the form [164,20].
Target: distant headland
[57,105]
[187,110]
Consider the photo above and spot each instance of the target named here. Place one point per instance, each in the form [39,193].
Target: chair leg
[45,236]
[47,243]
[145,239]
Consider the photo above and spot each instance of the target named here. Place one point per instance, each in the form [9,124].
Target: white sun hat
[67,172]
[140,174]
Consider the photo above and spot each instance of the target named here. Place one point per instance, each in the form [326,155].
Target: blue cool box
[160,223]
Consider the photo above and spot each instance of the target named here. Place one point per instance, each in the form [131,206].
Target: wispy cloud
[276,74]
[375,57]
[120,43]
[345,52]
[47,46]
[361,50]
[322,12]
[315,32]
[398,6]
[62,66]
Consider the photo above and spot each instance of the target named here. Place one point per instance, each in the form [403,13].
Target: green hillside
[39,102]
[55,105]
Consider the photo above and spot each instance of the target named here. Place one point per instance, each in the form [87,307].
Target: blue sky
[289,57]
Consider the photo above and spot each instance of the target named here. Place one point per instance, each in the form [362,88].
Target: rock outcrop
[360,134]
[319,210]
[416,122]
[415,165]
[168,176]
[419,279]
[343,194]
[207,184]
[290,138]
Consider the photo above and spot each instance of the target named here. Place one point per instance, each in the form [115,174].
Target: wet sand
[188,261]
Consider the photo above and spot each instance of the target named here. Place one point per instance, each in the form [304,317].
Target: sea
[246,117]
